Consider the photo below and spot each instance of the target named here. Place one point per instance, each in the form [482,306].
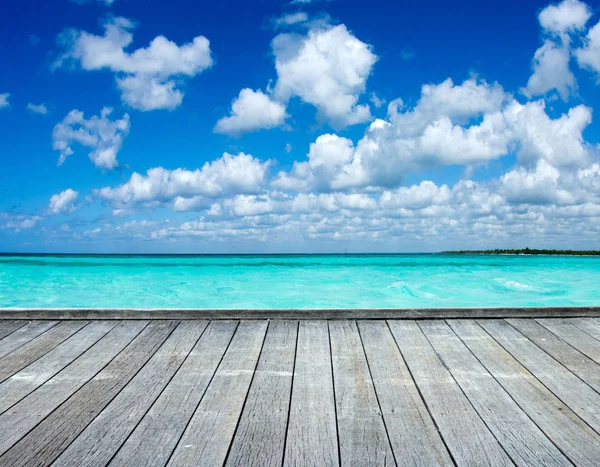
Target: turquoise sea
[298,281]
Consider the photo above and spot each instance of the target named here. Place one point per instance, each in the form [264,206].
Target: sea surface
[298,281]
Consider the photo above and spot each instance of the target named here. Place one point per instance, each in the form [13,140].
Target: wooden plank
[362,434]
[568,356]
[27,380]
[524,442]
[413,435]
[260,436]
[155,438]
[43,444]
[580,397]
[37,347]
[579,339]
[312,431]
[297,314]
[590,326]
[23,335]
[98,443]
[569,433]
[466,435]
[8,327]
[23,416]
[207,438]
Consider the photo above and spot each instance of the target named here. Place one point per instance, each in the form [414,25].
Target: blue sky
[311,126]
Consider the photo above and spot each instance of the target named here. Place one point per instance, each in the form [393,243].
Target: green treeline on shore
[524,251]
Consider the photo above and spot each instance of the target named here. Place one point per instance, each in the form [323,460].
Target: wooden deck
[300,392]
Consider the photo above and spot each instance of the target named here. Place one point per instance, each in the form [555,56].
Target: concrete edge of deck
[314,313]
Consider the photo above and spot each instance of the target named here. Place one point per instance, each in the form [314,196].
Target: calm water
[298,281]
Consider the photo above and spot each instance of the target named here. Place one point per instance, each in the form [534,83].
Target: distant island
[524,251]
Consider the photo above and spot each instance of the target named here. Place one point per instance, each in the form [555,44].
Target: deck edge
[313,313]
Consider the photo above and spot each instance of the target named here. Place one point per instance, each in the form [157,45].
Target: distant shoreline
[496,252]
[525,252]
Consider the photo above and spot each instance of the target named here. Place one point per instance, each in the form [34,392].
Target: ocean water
[298,281]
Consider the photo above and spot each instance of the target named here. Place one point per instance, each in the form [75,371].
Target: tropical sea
[297,281]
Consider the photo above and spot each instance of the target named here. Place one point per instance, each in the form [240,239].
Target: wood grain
[260,436]
[49,439]
[312,433]
[207,438]
[466,435]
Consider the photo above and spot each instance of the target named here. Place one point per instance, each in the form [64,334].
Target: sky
[301,126]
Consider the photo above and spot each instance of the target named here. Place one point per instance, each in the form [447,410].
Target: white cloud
[538,186]
[37,109]
[18,222]
[147,77]
[558,141]
[377,101]
[290,19]
[467,125]
[427,135]
[228,175]
[252,111]
[102,135]
[551,71]
[64,202]
[4,100]
[328,68]
[589,55]
[565,17]
[551,61]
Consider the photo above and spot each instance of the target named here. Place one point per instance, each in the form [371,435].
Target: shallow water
[298,281]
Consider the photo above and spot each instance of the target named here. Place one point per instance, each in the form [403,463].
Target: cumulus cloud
[18,222]
[467,125]
[551,61]
[37,109]
[64,202]
[99,133]
[4,100]
[328,68]
[147,77]
[551,71]
[589,55]
[252,111]
[565,17]
[228,175]
[537,186]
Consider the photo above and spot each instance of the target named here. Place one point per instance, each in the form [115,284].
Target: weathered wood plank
[575,393]
[579,339]
[362,434]
[571,358]
[525,443]
[466,435]
[23,335]
[297,314]
[27,380]
[589,325]
[413,435]
[43,444]
[156,436]
[208,436]
[8,327]
[312,432]
[37,347]
[23,416]
[569,433]
[97,444]
[260,436]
